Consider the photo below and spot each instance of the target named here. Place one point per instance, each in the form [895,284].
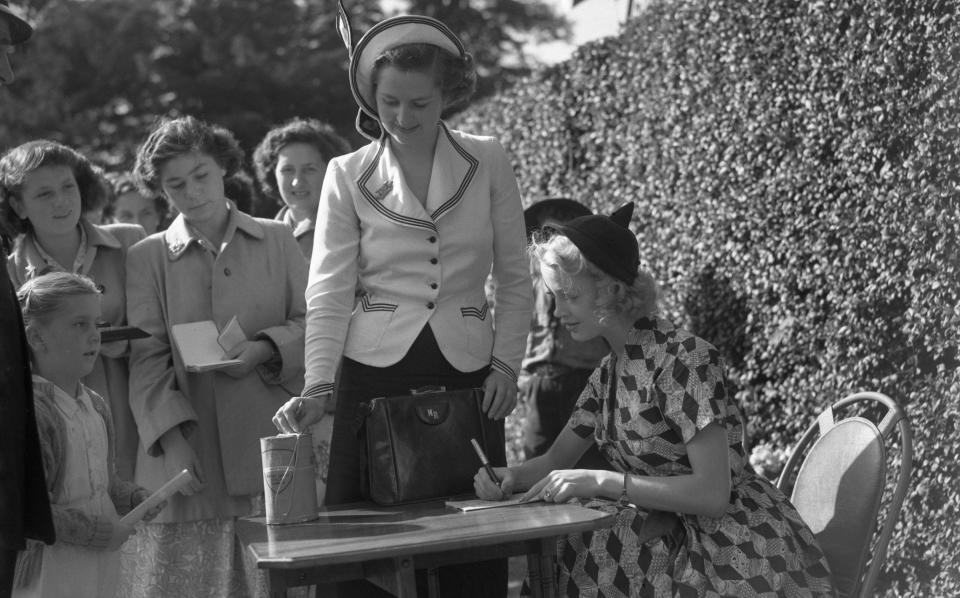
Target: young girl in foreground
[691,517]
[60,313]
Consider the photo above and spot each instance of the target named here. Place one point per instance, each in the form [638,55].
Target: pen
[486,464]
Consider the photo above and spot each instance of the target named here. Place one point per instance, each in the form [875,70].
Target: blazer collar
[28,255]
[100,236]
[179,236]
[382,184]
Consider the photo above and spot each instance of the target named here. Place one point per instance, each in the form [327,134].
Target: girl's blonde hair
[41,297]
[614,297]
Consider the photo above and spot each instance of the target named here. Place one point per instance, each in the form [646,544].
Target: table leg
[541,570]
[433,582]
[277,584]
[394,575]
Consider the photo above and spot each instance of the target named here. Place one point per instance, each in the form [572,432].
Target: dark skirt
[423,365]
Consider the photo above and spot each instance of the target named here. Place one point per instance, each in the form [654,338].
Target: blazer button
[430,305]
[226,271]
[432,239]
[434,260]
[433,285]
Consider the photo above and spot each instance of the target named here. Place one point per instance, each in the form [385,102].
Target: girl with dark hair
[131,206]
[45,187]
[212,263]
[290,163]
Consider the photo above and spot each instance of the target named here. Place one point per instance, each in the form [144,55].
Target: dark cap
[606,241]
[20,29]
[536,212]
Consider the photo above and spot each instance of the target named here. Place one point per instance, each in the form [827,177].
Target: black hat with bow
[606,241]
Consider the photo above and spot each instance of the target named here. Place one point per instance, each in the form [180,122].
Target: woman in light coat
[212,263]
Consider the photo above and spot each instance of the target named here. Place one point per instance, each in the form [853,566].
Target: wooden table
[386,544]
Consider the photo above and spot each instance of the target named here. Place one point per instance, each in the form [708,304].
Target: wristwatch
[624,500]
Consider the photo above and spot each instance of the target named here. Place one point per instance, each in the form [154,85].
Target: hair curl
[614,297]
[313,132]
[185,135]
[455,76]
[42,296]
[20,161]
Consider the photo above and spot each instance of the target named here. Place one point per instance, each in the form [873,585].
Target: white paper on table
[478,504]
[173,485]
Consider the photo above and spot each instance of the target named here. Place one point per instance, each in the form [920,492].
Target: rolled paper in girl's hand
[173,485]
[290,493]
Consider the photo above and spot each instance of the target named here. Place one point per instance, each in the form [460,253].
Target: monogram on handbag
[418,445]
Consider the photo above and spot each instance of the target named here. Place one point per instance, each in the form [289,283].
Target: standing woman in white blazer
[416,220]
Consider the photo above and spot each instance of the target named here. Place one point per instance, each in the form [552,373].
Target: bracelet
[624,500]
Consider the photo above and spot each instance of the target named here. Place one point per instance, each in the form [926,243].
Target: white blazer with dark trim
[417,266]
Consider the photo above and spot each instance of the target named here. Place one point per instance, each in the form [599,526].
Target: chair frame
[895,419]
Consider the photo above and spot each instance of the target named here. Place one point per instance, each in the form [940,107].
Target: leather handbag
[418,445]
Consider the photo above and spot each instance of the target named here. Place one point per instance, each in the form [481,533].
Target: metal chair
[836,478]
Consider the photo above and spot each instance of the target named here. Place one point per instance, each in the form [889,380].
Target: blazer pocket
[479,330]
[369,322]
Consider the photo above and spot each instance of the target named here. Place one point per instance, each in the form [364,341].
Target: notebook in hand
[198,346]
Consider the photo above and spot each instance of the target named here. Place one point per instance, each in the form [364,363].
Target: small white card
[231,338]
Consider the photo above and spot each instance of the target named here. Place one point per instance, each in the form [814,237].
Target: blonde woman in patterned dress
[691,517]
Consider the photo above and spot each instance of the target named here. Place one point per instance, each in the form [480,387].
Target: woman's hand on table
[561,485]
[300,412]
[252,354]
[487,489]
[499,395]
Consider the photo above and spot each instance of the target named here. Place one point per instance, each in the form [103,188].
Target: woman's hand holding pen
[499,395]
[487,489]
[300,412]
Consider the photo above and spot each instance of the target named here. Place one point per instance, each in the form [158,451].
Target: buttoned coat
[418,264]
[107,247]
[258,275]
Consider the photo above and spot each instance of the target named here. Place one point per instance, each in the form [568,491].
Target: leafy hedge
[796,167]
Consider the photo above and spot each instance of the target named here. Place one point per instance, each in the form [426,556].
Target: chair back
[840,472]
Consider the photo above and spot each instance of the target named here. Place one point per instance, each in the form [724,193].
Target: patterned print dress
[642,407]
